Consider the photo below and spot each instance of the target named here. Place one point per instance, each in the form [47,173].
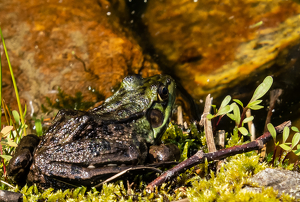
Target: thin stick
[251,127]
[207,125]
[7,184]
[179,116]
[200,157]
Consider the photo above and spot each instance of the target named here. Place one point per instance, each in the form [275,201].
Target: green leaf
[38,127]
[285,147]
[76,192]
[16,116]
[9,143]
[285,134]
[225,101]
[297,152]
[236,113]
[295,139]
[295,129]
[256,107]
[35,189]
[272,130]
[246,120]
[243,130]
[231,116]
[185,152]
[239,102]
[6,157]
[256,102]
[210,116]
[224,110]
[262,89]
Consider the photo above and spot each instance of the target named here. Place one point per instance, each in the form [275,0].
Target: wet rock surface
[88,46]
[78,46]
[217,45]
[284,181]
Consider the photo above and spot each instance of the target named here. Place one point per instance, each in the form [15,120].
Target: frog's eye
[156,118]
[163,93]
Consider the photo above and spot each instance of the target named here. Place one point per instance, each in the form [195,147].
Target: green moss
[188,143]
[228,183]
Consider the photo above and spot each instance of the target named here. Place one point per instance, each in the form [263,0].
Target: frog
[86,147]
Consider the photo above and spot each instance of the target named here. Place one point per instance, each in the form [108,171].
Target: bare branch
[200,157]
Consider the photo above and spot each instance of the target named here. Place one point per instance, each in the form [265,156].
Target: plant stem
[14,82]
[242,118]
[285,157]
[274,154]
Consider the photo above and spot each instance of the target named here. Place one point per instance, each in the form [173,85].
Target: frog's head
[161,91]
[148,102]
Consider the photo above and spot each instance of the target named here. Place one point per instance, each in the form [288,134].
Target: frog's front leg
[19,164]
[163,153]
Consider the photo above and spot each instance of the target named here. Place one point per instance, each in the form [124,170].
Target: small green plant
[188,143]
[236,115]
[285,147]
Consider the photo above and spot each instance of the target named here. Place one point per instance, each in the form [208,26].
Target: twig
[220,138]
[126,171]
[207,125]
[251,125]
[179,116]
[200,157]
[7,184]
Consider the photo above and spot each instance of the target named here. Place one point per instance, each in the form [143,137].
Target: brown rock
[73,45]
[214,45]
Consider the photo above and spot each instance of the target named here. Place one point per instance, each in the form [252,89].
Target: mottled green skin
[79,146]
[137,95]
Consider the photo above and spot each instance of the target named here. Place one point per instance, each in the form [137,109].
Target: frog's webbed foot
[21,161]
